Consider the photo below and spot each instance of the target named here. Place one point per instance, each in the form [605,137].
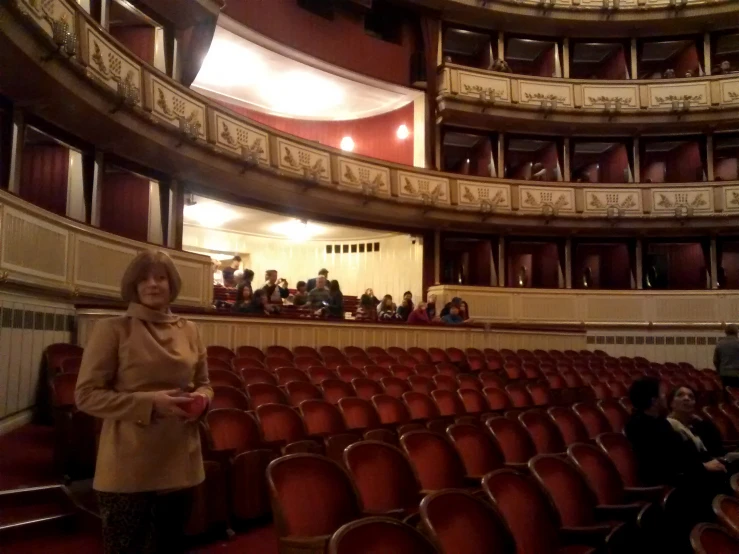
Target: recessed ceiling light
[347,144]
[403,132]
[209,214]
[298,230]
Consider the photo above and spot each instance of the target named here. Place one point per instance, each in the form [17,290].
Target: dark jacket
[270,290]
[726,357]
[405,311]
[464,311]
[662,455]
[336,304]
[311,283]
[709,434]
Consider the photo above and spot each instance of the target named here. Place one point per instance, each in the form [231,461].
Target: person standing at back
[229,280]
[313,282]
[726,357]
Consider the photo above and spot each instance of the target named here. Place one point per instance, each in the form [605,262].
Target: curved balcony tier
[112,100]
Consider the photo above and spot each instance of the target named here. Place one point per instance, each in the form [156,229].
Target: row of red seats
[709,538]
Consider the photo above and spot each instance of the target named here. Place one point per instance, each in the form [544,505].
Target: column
[105,14]
[566,161]
[97,184]
[714,264]
[639,262]
[709,158]
[155,232]
[501,155]
[16,152]
[568,264]
[634,59]
[176,214]
[566,58]
[501,45]
[76,187]
[707,53]
[437,257]
[501,262]
[637,163]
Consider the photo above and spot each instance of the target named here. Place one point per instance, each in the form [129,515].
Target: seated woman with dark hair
[367,310]
[386,311]
[335,306]
[406,307]
[243,296]
[257,304]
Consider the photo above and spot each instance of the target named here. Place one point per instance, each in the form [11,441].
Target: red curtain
[44,176]
[540,260]
[139,39]
[373,136]
[687,60]
[610,266]
[614,165]
[685,164]
[124,206]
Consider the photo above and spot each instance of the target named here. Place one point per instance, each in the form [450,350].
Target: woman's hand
[715,466]
[167,403]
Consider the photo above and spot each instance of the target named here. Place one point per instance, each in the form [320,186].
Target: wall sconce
[369,190]
[686,104]
[675,105]
[249,156]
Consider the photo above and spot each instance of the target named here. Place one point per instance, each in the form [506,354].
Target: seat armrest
[648,494]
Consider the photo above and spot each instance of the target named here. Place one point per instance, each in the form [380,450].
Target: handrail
[202,123]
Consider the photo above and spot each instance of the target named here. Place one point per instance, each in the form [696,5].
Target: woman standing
[336,300]
[145,375]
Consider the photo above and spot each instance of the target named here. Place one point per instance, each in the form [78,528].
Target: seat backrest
[448,402]
[615,413]
[514,440]
[321,418]
[336,389]
[445,382]
[280,423]
[422,384]
[403,372]
[406,360]
[71,364]
[498,399]
[279,352]
[252,375]
[307,351]
[539,394]
[567,488]
[347,373]
[349,350]
[526,510]
[479,451]
[438,355]
[376,372]
[599,471]
[383,476]
[447,368]
[390,409]
[305,362]
[232,429]
[311,495]
[286,374]
[297,391]
[726,509]
[395,386]
[731,411]
[722,422]
[459,523]
[467,381]
[420,406]
[359,413]
[63,386]
[473,400]
[275,362]
[455,354]
[250,352]
[435,462]
[263,393]
[421,356]
[220,352]
[220,377]
[367,388]
[57,352]
[707,538]
[545,434]
[229,397]
[318,374]
[618,448]
[601,390]
[593,419]
[520,397]
[219,363]
[239,364]
[572,428]
[379,535]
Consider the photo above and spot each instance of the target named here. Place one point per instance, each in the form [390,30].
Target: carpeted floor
[26,460]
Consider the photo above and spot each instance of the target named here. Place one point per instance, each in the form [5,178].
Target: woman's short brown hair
[139,269]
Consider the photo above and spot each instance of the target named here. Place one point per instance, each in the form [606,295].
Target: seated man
[275,290]
[313,281]
[300,298]
[453,317]
[461,306]
[319,297]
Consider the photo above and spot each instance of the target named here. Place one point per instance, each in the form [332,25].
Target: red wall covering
[44,176]
[140,40]
[124,206]
[342,42]
[540,260]
[373,136]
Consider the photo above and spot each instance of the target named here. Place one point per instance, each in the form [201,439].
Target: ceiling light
[347,144]
[219,69]
[298,230]
[300,92]
[208,214]
[403,132]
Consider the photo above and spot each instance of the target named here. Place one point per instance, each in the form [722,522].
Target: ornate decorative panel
[49,13]
[622,97]
[364,177]
[234,135]
[490,87]
[682,201]
[296,158]
[695,94]
[729,91]
[99,265]
[536,92]
[32,246]
[109,66]
[428,189]
[483,196]
[547,200]
[613,201]
[171,105]
[731,199]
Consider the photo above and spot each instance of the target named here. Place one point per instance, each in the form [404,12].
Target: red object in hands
[196,406]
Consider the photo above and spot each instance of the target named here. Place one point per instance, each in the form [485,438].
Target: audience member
[419,316]
[406,307]
[387,310]
[453,317]
[431,308]
[462,309]
[725,68]
[276,290]
[367,310]
[217,273]
[336,300]
[726,357]
[320,295]
[371,294]
[313,282]
[257,304]
[300,298]
[228,273]
[668,74]
[243,296]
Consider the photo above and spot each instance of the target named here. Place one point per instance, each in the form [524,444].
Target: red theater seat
[544,432]
[279,352]
[520,397]
[250,352]
[445,382]
[318,374]
[252,375]
[707,538]
[221,377]
[421,406]
[359,414]
[282,427]
[219,363]
[298,391]
[335,389]
[273,363]
[401,371]
[421,384]
[448,402]
[308,351]
[379,535]
[366,388]
[726,509]
[229,397]
[474,401]
[593,419]
[435,461]
[395,386]
[238,364]
[498,399]
[391,409]
[480,453]
[421,356]
[514,441]
[615,413]
[287,374]
[570,425]
[347,373]
[221,353]
[438,355]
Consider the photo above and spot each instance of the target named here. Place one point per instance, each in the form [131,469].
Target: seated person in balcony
[276,290]
[461,305]
[367,310]
[257,305]
[300,298]
[320,295]
[700,431]
[406,307]
[726,357]
[431,310]
[228,273]
[369,293]
[243,297]
[419,316]
[313,282]
[663,457]
[386,310]
[668,74]
[453,317]
[335,306]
